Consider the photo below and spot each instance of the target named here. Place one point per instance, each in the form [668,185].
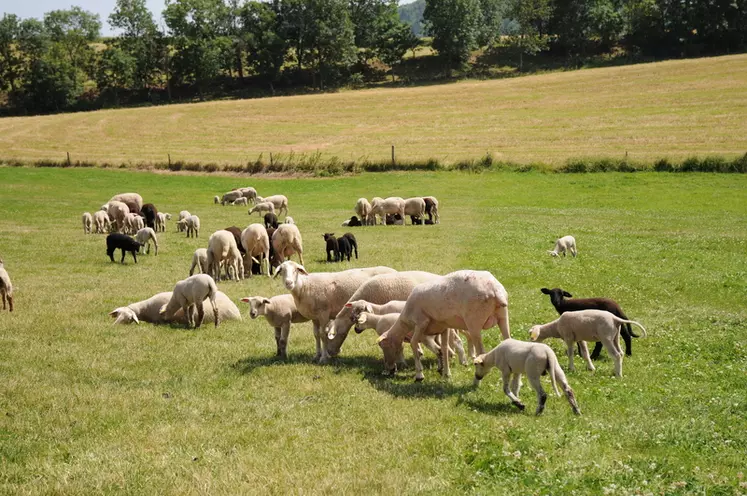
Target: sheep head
[256,305]
[124,315]
[290,271]
[390,348]
[534,333]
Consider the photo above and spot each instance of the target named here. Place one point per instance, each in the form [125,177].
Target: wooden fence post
[392,154]
[68,159]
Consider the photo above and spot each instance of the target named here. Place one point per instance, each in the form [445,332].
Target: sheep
[466,299]
[129,198]
[230,197]
[362,208]
[391,205]
[184,214]
[149,310]
[249,193]
[371,219]
[133,223]
[415,207]
[101,222]
[199,259]
[321,295]
[145,237]
[124,243]
[352,222]
[193,226]
[256,243]
[216,199]
[419,222]
[132,207]
[271,220]
[87,223]
[286,240]
[562,245]
[513,357]
[280,312]
[260,207]
[289,220]
[117,213]
[586,325]
[353,243]
[345,249]
[431,209]
[161,219]
[394,220]
[189,294]
[237,236]
[181,225]
[332,247]
[6,287]
[222,248]
[557,298]
[240,201]
[280,202]
[150,213]
[362,306]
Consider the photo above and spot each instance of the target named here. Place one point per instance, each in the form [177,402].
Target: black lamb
[353,243]
[354,222]
[333,247]
[124,243]
[271,220]
[344,249]
[150,212]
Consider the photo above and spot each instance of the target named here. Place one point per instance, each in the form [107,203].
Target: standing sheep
[332,247]
[256,245]
[161,219]
[124,243]
[190,294]
[271,220]
[280,203]
[363,209]
[87,223]
[353,242]
[431,209]
[6,287]
[415,207]
[145,237]
[286,240]
[193,226]
[117,212]
[391,205]
[150,213]
[237,236]
[260,207]
[131,198]
[101,222]
[249,193]
[280,312]
[222,249]
[375,205]
[566,243]
[230,197]
[240,201]
[184,215]
[199,260]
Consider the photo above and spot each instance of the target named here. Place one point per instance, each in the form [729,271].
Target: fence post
[392,154]
[169,160]
[68,159]
[271,162]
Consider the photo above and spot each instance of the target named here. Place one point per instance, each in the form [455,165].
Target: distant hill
[412,14]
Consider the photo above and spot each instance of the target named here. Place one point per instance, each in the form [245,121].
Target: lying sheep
[124,243]
[199,260]
[420,222]
[280,312]
[190,294]
[193,226]
[150,310]
[256,244]
[6,287]
[286,240]
[280,202]
[87,223]
[352,222]
[513,357]
[117,213]
[145,237]
[101,222]
[260,207]
[394,220]
[431,209]
[271,220]
[562,245]
[222,249]
[391,205]
[362,208]
[230,197]
[586,325]
[240,201]
[415,207]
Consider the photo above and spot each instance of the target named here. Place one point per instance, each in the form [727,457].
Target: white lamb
[289,220]
[117,212]
[240,201]
[101,222]
[256,246]
[513,357]
[586,325]
[190,294]
[6,287]
[222,248]
[363,209]
[87,223]
[184,215]
[216,199]
[280,312]
[415,207]
[181,225]
[161,219]
[261,207]
[562,245]
[133,223]
[149,310]
[391,205]
[199,260]
[146,236]
[286,240]
[193,226]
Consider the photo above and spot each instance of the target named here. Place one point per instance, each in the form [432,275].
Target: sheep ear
[545,290]
[114,313]
[245,299]
[277,271]
[302,270]
[265,301]
[348,305]
[567,294]
[369,308]
[479,360]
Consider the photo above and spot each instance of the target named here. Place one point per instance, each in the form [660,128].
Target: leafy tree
[266,48]
[530,16]
[395,43]
[51,85]
[115,70]
[141,40]
[10,56]
[491,21]
[72,31]
[454,25]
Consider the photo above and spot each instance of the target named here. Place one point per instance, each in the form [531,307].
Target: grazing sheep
[117,213]
[199,259]
[129,198]
[271,220]
[321,295]
[189,294]
[260,207]
[466,299]
[133,223]
[249,193]
[222,248]
[557,298]
[216,199]
[431,209]
[362,208]
[345,250]
[256,244]
[161,219]
[352,222]
[371,219]
[6,287]
[353,243]
[394,220]
[184,215]
[286,240]
[101,222]
[280,312]
[181,225]
[362,306]
[237,236]
[132,207]
[124,243]
[562,245]
[586,325]
[513,357]
[240,201]
[230,197]
[145,237]
[193,226]
[391,205]
[415,207]
[289,220]
[332,247]
[280,202]
[87,222]
[150,310]
[150,212]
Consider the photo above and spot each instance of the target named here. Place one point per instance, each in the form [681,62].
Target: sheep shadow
[483,406]
[249,364]
[430,388]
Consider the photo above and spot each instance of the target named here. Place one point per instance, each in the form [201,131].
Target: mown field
[88,407]
[673,109]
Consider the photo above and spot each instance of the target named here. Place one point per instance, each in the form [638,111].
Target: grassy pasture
[87,407]
[671,109]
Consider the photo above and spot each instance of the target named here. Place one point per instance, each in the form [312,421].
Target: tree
[72,31]
[51,85]
[260,25]
[140,39]
[454,25]
[10,56]
[115,71]
[531,16]
[395,43]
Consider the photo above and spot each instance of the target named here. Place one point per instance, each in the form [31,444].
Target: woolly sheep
[256,244]
[161,219]
[87,223]
[353,243]
[271,220]
[236,236]
[240,201]
[332,247]
[466,299]
[280,203]
[562,245]
[145,237]
[123,242]
[286,240]
[150,214]
[230,197]
[289,220]
[184,214]
[513,357]
[222,249]
[190,294]
[431,209]
[582,326]
[371,219]
[101,222]
[321,295]
[129,198]
[193,226]
[280,312]
[363,208]
[117,212]
[6,287]
[249,193]
[181,225]
[149,310]
[260,207]
[415,207]
[133,223]
[391,205]
[199,260]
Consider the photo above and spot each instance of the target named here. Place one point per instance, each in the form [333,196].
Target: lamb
[150,212]
[271,220]
[391,205]
[145,237]
[101,222]
[466,299]
[129,198]
[256,244]
[353,243]
[415,207]
[133,223]
[117,213]
[216,199]
[240,201]
[280,312]
[199,259]
[562,305]
[230,197]
[149,310]
[193,226]
[345,249]
[362,208]
[184,215]
[513,357]
[237,236]
[352,222]
[260,207]
[586,325]
[362,306]
[319,296]
[332,247]
[87,223]
[161,219]
[222,248]
[189,294]
[280,202]
[124,243]
[375,204]
[6,287]
[562,245]
[286,240]
[431,209]
[181,225]
[289,220]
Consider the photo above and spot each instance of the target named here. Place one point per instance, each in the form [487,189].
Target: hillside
[412,14]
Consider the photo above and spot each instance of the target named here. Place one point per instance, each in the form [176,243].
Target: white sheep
[146,236]
[513,357]
[129,198]
[6,287]
[199,260]
[87,223]
[371,218]
[363,210]
[240,201]
[222,248]
[280,202]
[562,245]
[321,295]
[150,310]
[133,223]
[181,225]
[256,245]
[586,325]
[260,207]
[230,197]
[415,207]
[117,212]
[280,312]
[190,294]
[184,214]
[101,222]
[391,205]
[289,220]
[161,219]
[466,299]
[193,226]
[286,240]
[249,193]
[431,208]
[216,199]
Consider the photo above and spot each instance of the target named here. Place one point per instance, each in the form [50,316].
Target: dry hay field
[672,109]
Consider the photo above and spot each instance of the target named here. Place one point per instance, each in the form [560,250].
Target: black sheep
[332,246]
[394,219]
[354,222]
[124,243]
[237,236]
[150,212]
[271,220]
[273,261]
[416,221]
[353,243]
[344,249]
[562,305]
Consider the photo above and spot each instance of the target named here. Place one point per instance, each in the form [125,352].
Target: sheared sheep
[280,312]
[193,226]
[271,220]
[124,243]
[431,209]
[145,237]
[286,240]
[371,219]
[280,202]
[566,243]
[87,223]
[101,222]
[256,244]
[362,208]
[129,198]
[199,260]
[513,357]
[150,212]
[230,197]
[222,248]
[240,201]
[415,207]
[586,325]
[149,310]
[260,207]
[6,287]
[190,294]
[391,205]
[117,212]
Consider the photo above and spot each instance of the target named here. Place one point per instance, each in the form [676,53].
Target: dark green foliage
[454,25]
[412,15]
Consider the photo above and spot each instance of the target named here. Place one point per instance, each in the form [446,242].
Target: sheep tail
[623,321]
[552,367]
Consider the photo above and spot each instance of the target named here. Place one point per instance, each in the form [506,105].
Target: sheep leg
[570,353]
[277,341]
[585,355]
[595,353]
[414,341]
[323,323]
[444,355]
[614,350]
[516,384]
[187,311]
[625,333]
[283,344]
[508,392]
[534,380]
[400,362]
[123,255]
[459,346]
[200,314]
[134,255]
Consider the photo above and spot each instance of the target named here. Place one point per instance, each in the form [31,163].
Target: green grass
[87,407]
[673,109]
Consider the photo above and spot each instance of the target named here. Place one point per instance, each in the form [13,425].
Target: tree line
[61,62]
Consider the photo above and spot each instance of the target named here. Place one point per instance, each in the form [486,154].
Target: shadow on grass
[248,364]
[488,407]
